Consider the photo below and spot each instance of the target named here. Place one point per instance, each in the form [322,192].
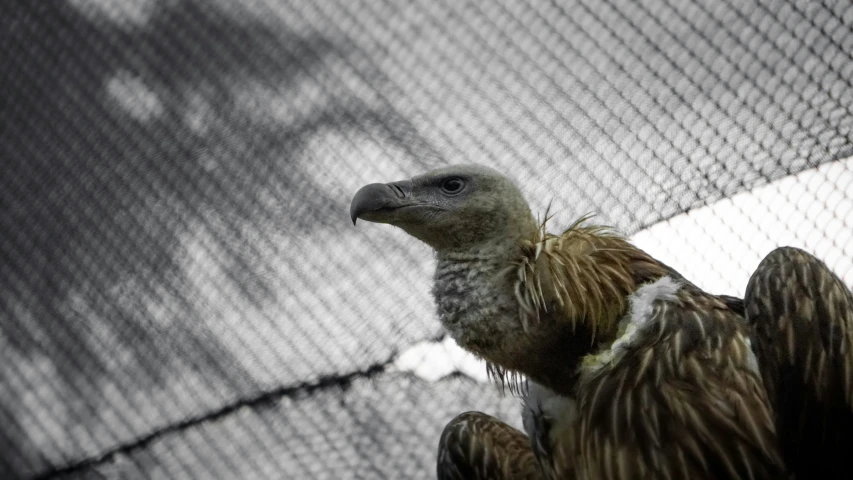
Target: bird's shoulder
[801,318]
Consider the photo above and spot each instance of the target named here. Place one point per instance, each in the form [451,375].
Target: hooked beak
[377,202]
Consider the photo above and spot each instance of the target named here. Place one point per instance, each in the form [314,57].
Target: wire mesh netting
[182,293]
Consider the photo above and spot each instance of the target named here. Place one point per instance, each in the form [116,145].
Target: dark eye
[453,185]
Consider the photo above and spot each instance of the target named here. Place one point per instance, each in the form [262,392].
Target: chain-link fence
[182,294]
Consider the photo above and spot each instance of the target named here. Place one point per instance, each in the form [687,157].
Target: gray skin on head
[452,208]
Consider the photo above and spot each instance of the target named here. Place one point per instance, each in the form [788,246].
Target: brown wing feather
[802,320]
[477,446]
[685,401]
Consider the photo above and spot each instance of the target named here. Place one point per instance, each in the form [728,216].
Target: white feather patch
[543,406]
[642,307]
[751,359]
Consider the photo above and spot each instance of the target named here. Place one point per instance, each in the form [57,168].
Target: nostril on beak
[401,189]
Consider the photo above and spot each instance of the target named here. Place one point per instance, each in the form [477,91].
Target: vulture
[627,370]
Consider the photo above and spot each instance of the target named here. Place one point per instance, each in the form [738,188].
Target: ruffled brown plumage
[582,279]
[801,316]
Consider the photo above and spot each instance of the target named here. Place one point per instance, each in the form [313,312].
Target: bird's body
[628,370]
[604,393]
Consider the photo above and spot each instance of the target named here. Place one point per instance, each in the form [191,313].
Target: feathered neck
[585,275]
[537,305]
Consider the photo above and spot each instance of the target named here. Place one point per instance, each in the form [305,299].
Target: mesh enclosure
[182,294]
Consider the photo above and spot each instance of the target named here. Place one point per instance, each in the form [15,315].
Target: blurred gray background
[182,293]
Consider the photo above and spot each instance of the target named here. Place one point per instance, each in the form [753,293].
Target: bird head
[456,207]
[524,297]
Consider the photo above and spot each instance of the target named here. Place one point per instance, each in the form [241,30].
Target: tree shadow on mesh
[96,194]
